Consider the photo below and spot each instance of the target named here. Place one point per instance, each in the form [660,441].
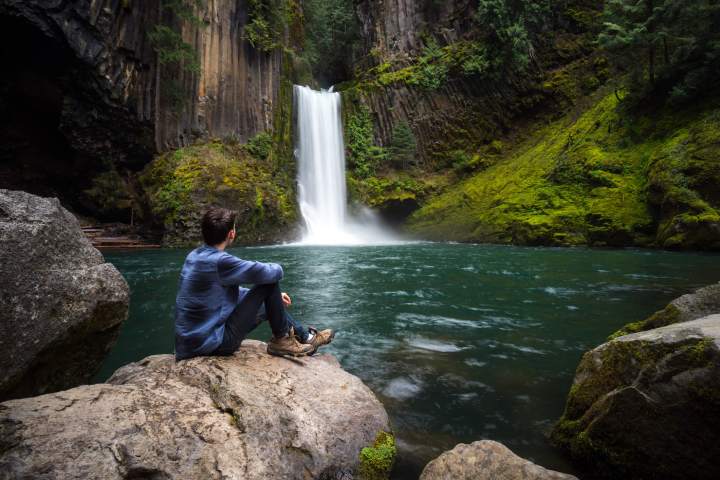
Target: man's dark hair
[216,224]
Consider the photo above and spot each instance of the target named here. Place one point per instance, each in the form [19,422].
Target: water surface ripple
[460,342]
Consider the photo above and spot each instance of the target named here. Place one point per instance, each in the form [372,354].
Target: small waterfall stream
[320,151]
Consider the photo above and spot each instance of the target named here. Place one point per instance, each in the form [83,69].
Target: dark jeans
[260,303]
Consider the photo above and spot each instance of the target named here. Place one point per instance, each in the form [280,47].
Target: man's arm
[235,271]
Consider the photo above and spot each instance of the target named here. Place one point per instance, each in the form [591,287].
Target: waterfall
[320,152]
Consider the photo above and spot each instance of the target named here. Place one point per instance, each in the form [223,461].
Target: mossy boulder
[702,302]
[181,184]
[647,405]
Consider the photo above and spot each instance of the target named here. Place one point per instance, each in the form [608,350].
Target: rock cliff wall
[415,70]
[89,88]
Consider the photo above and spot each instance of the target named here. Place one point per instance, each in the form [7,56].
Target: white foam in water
[475,363]
[320,152]
[401,389]
[435,345]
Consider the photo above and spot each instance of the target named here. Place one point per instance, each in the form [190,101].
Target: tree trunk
[651,64]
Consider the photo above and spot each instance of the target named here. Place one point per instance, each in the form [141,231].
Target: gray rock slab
[486,460]
[246,416]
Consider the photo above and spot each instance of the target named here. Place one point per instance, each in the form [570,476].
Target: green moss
[666,316]
[181,184]
[376,461]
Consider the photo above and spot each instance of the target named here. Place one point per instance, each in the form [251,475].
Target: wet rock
[486,459]
[62,305]
[647,405]
[702,302]
[250,416]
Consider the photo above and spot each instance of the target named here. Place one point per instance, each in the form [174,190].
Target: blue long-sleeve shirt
[209,290]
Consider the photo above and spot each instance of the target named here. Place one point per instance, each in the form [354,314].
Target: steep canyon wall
[87,90]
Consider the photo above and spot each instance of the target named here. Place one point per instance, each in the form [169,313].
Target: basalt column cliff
[100,86]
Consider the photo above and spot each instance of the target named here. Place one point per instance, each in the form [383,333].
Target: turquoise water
[460,342]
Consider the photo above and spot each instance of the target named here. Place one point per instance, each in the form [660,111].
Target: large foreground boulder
[647,405]
[486,460]
[61,305]
[700,303]
[247,416]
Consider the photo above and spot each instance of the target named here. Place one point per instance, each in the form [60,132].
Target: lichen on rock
[377,460]
[702,302]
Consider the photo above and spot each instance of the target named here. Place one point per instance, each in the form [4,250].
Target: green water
[460,342]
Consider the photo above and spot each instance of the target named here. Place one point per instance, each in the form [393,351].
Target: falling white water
[320,152]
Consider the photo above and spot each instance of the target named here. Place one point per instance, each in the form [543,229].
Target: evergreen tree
[676,42]
[512,26]
[332,33]
[631,32]
[403,146]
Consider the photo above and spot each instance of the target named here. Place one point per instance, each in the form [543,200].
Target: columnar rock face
[395,27]
[647,405]
[464,111]
[486,460]
[249,416]
[62,305]
[86,89]
[111,48]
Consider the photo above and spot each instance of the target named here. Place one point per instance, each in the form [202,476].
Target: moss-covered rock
[702,302]
[647,405]
[377,460]
[181,184]
[605,178]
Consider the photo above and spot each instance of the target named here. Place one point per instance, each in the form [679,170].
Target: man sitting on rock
[213,313]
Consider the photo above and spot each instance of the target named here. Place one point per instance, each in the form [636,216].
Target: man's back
[208,292]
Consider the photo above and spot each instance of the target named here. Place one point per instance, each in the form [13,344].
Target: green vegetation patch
[377,461]
[605,178]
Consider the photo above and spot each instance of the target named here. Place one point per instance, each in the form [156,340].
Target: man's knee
[266,288]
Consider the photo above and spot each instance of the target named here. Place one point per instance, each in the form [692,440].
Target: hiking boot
[320,338]
[289,345]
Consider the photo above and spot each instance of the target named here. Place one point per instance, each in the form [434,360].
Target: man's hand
[286,299]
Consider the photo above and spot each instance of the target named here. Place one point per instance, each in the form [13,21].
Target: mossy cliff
[438,97]
[603,177]
[647,405]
